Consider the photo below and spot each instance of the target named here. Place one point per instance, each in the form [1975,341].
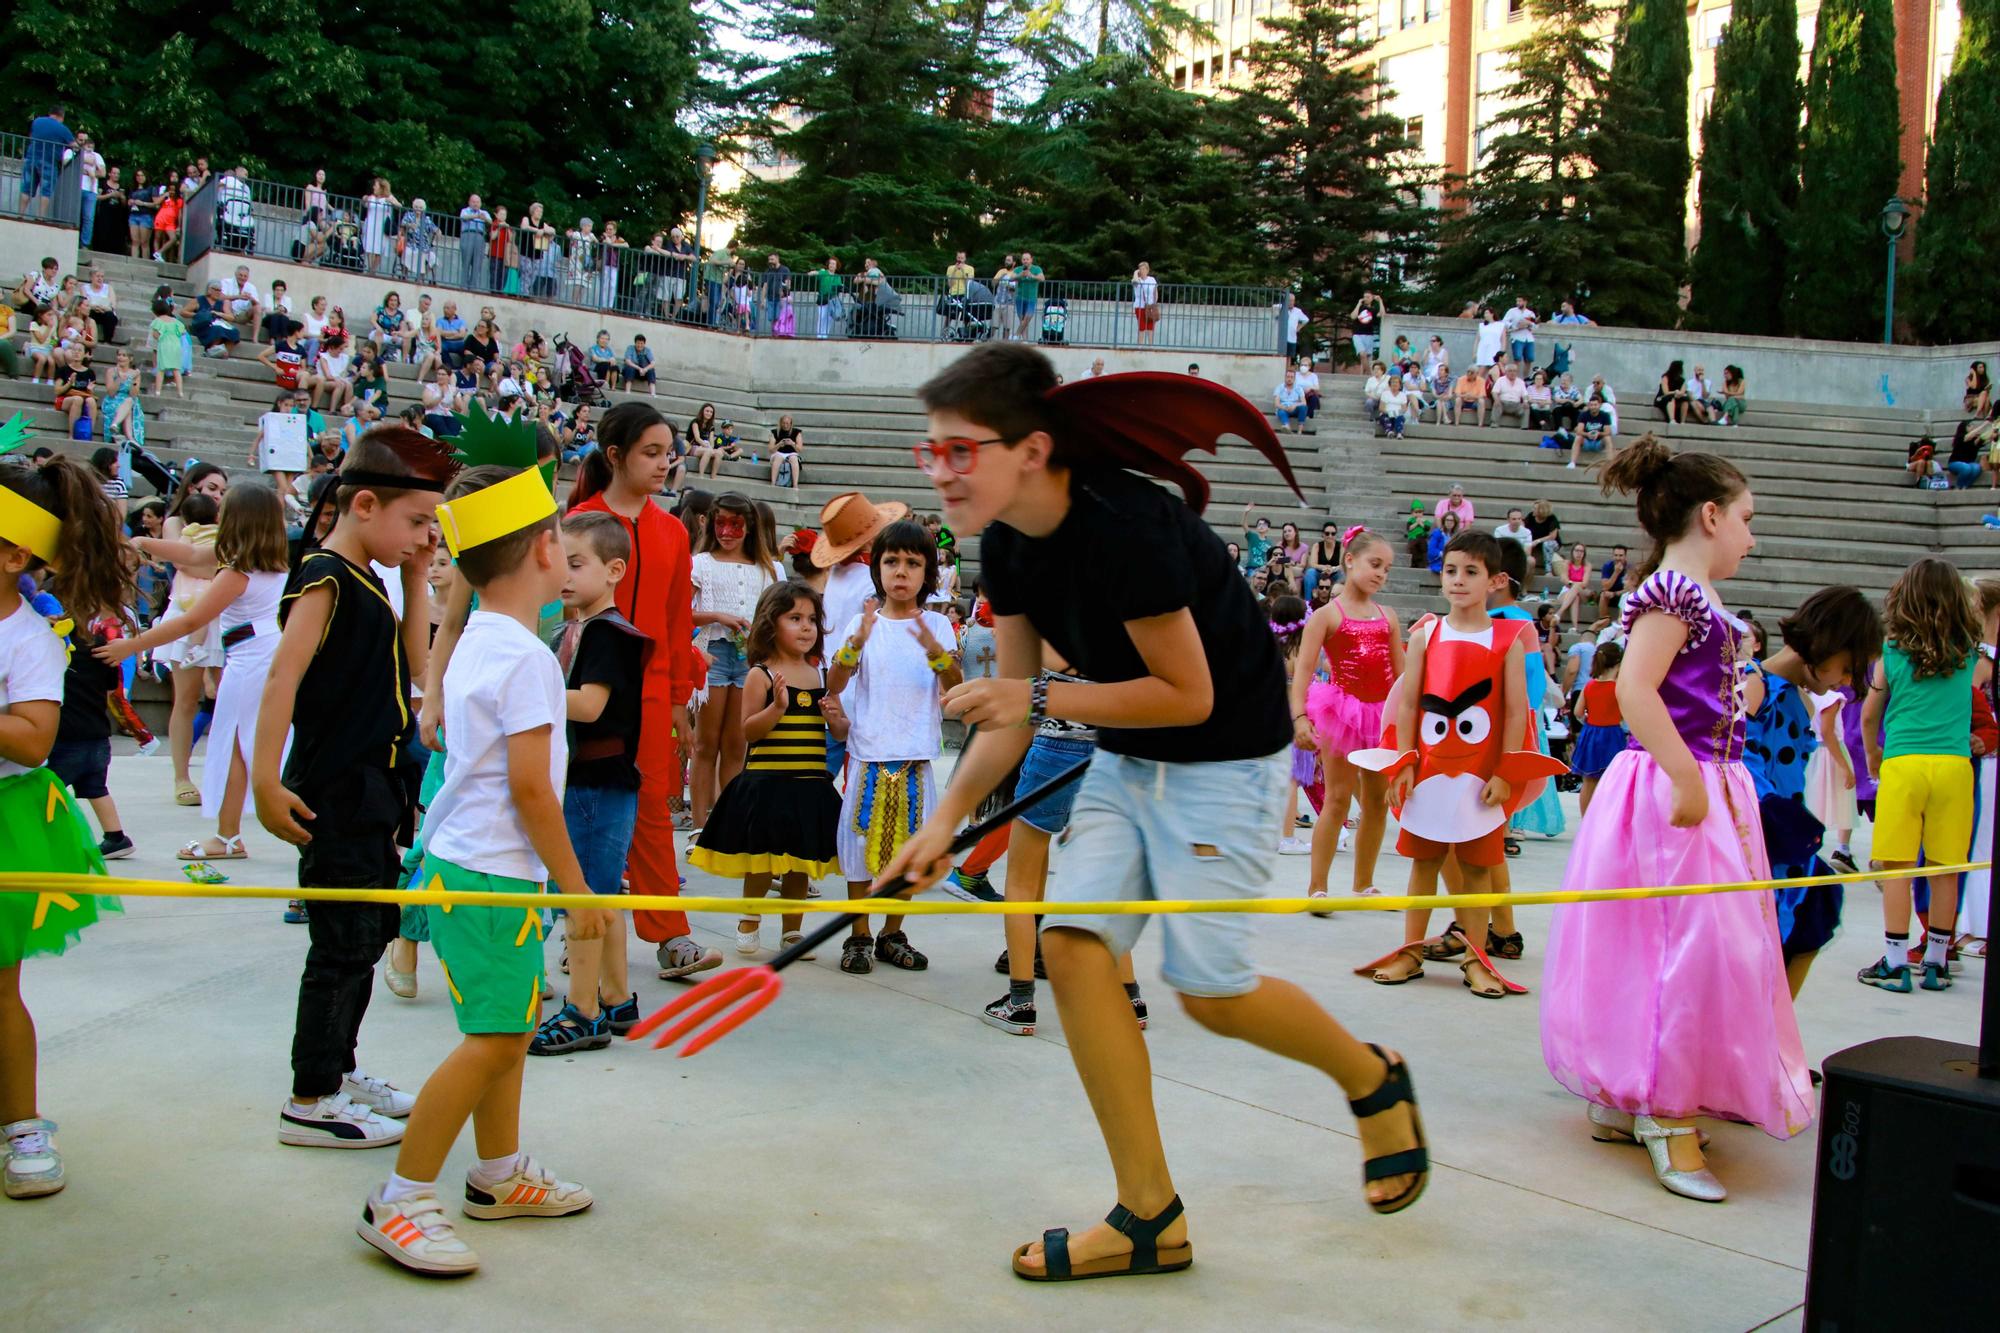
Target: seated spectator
[787,440]
[1612,578]
[1308,381]
[1978,390]
[1455,503]
[244,304]
[76,389]
[451,331]
[1510,396]
[237,222]
[482,346]
[38,291]
[1546,531]
[1733,398]
[603,359]
[277,318]
[1468,394]
[1372,388]
[442,403]
[1515,529]
[1963,463]
[1594,431]
[211,325]
[1565,404]
[330,372]
[371,384]
[1671,396]
[1394,410]
[1440,537]
[100,302]
[1541,401]
[578,435]
[1599,389]
[1291,400]
[637,365]
[1703,401]
[392,334]
[1417,534]
[1436,360]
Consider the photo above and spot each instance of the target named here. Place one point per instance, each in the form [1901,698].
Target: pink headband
[1347,537]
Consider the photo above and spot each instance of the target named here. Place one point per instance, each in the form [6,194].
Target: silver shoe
[1699,1185]
[1610,1125]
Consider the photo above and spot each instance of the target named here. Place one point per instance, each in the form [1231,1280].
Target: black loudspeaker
[1906,1196]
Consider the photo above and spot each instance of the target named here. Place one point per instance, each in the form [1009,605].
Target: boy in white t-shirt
[890,674]
[495,825]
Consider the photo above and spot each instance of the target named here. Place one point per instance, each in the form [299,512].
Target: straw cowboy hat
[848,522]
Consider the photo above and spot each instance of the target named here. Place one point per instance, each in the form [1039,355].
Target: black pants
[353,846]
[107,324]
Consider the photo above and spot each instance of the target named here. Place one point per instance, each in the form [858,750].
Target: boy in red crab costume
[1463,696]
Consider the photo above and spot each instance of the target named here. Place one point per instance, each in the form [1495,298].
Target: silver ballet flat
[1610,1125]
[1699,1185]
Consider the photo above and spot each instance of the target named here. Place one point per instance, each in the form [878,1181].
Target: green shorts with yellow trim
[491,956]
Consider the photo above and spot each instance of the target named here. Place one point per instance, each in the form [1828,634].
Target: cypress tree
[1848,169]
[1749,173]
[1957,287]
[1641,155]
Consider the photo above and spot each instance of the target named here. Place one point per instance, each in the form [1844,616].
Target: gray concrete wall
[1793,370]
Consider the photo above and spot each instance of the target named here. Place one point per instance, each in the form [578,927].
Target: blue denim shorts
[1047,757]
[725,664]
[600,822]
[1144,830]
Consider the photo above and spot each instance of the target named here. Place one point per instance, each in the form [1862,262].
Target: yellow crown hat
[487,515]
[22,521]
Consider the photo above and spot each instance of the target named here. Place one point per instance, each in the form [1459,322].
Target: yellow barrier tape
[35,882]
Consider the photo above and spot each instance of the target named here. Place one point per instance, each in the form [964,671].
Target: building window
[1413,131]
[1713,23]
[1433,10]
[1200,72]
[1180,76]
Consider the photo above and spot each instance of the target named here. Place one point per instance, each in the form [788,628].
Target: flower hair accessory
[1282,628]
[1347,537]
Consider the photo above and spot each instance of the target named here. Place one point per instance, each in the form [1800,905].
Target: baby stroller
[968,318]
[1055,322]
[575,381]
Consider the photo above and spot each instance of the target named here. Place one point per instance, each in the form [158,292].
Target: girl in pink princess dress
[1662,1010]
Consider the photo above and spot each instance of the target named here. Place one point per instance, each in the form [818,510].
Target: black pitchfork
[752,989]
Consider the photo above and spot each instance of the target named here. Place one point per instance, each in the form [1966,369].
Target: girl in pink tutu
[1662,1010]
[1363,643]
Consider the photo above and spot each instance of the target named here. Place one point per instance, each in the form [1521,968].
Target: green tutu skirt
[41,830]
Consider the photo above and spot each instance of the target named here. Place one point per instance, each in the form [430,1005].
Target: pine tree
[1848,169]
[1957,286]
[1526,225]
[883,169]
[1749,173]
[1336,183]
[1640,158]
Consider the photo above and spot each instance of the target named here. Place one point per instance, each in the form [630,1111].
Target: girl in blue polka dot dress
[1829,642]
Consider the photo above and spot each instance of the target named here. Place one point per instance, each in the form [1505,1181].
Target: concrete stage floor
[867,1153]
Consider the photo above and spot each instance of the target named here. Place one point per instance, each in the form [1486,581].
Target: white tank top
[256,605]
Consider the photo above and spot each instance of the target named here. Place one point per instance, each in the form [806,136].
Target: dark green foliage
[1749,173]
[1640,153]
[1337,187]
[1848,169]
[1957,297]
[574,101]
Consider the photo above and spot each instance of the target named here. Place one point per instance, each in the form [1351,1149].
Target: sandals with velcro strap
[1146,1257]
[895,950]
[1396,1088]
[1451,944]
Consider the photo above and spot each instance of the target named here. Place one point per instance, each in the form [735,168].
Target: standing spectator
[1295,321]
[826,287]
[1671,397]
[1291,400]
[1003,296]
[611,256]
[233,210]
[1520,322]
[1510,396]
[1367,315]
[416,241]
[195,178]
[48,139]
[1145,302]
[1492,340]
[958,276]
[378,220]
[140,205]
[680,271]
[1455,504]
[167,228]
[774,288]
[1027,293]
[1468,393]
[113,214]
[102,304]
[582,239]
[502,255]
[637,365]
[538,254]
[90,172]
[473,223]
[244,304]
[317,210]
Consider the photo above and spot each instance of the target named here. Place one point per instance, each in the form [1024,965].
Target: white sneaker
[529,1192]
[378,1095]
[681,956]
[34,1167]
[749,941]
[415,1233]
[335,1122]
[150,748]
[792,937]
[1346,842]
[1294,847]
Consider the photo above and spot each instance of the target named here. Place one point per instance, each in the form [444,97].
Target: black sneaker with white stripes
[1009,1015]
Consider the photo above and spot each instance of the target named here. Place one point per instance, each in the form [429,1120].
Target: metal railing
[577,269]
[36,184]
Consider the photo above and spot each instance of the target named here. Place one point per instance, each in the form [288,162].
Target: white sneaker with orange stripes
[415,1233]
[529,1192]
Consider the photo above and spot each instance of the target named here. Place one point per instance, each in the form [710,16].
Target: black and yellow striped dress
[781,814]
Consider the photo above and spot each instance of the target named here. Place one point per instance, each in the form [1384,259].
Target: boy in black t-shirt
[605,656]
[1192,733]
[341,685]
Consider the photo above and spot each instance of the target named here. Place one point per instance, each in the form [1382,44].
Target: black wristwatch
[1038,702]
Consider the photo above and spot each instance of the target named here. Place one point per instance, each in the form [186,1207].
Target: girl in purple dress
[1661,1010]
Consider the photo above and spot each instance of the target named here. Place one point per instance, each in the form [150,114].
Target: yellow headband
[25,523]
[490,514]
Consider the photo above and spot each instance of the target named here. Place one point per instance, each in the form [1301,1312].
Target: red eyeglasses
[958,453]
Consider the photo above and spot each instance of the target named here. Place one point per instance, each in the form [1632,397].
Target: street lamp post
[704,155]
[1895,219]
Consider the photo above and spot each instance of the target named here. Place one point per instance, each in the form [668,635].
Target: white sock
[1895,950]
[1935,943]
[497,1168]
[401,1187]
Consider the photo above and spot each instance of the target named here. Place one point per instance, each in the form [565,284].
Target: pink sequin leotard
[1347,710]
